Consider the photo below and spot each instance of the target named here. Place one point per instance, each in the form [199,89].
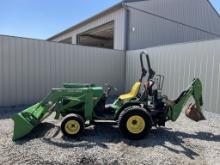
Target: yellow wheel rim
[135,124]
[72,127]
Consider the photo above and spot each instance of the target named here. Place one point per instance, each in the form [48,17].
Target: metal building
[137,24]
[105,29]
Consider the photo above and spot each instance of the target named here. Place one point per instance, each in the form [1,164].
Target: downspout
[126,41]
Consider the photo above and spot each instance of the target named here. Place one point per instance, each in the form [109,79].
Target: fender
[127,104]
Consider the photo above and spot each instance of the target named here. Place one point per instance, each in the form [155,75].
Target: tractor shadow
[42,130]
[103,134]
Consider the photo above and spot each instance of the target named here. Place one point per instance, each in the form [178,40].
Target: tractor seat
[133,93]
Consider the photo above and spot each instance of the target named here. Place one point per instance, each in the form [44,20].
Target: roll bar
[144,71]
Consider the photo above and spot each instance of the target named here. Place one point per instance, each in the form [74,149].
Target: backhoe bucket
[194,113]
[26,120]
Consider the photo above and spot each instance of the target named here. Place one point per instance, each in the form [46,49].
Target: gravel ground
[181,142]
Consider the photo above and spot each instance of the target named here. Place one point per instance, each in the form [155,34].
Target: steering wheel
[109,88]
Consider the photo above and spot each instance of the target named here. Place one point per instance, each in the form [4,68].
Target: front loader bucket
[26,120]
[194,113]
[21,126]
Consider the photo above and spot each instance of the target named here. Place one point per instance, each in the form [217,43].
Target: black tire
[142,125]
[72,125]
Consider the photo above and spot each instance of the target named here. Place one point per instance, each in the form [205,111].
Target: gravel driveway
[181,142]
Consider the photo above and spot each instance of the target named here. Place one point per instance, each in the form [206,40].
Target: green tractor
[134,112]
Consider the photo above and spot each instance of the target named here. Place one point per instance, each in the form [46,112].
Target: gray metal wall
[162,22]
[180,63]
[30,68]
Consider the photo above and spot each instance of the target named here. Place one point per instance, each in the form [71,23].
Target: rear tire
[135,123]
[72,125]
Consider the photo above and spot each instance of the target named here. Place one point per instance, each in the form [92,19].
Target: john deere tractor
[135,112]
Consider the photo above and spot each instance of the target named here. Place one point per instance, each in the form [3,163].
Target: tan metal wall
[180,63]
[30,68]
[118,16]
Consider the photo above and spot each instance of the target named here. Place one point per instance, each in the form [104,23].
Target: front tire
[135,122]
[72,125]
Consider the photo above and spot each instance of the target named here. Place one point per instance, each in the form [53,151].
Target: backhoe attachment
[193,111]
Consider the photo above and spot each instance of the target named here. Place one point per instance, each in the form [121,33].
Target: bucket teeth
[194,113]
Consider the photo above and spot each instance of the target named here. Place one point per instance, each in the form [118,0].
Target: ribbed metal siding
[117,16]
[153,31]
[30,68]
[180,63]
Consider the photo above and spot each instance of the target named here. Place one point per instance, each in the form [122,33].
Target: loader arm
[194,91]
[28,119]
